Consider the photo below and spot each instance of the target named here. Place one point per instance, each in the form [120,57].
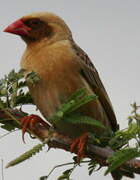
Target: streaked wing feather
[90,73]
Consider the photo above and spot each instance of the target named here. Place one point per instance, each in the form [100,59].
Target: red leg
[78,146]
[29,122]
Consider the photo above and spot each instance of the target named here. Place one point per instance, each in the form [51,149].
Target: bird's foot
[78,146]
[29,122]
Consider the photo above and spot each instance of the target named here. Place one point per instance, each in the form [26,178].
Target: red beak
[18,27]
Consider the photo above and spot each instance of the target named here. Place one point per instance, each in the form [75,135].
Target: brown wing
[90,73]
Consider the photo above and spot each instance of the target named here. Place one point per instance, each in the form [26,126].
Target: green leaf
[23,98]
[78,94]
[80,102]
[81,119]
[122,137]
[26,155]
[92,167]
[8,127]
[32,77]
[62,177]
[66,174]
[78,99]
[43,178]
[120,157]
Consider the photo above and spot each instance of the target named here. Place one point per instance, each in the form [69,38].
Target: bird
[63,68]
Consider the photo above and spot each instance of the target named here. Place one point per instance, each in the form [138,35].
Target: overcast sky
[109,31]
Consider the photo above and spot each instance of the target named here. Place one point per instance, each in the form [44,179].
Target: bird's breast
[49,94]
[58,71]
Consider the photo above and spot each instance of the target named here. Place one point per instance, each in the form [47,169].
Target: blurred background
[109,31]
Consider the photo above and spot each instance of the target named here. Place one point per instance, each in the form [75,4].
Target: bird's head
[38,26]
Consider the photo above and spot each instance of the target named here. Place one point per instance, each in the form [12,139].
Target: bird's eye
[33,23]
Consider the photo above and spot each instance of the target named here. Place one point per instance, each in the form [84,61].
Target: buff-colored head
[37,26]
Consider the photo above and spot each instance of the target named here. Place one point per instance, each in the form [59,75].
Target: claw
[78,146]
[29,122]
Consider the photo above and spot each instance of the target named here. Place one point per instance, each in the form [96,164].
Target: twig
[6,134]
[8,113]
[65,164]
